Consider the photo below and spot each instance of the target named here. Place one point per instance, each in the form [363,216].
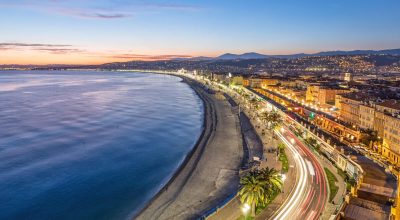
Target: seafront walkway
[260,141]
[211,172]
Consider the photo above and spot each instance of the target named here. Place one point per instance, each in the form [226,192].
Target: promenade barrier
[215,209]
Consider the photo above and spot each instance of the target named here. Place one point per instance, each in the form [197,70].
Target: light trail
[297,195]
[310,168]
[307,199]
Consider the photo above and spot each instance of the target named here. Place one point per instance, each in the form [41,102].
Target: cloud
[32,45]
[93,14]
[59,50]
[51,48]
[100,9]
[104,16]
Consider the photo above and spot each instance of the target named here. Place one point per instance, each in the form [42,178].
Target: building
[391,138]
[268,82]
[322,95]
[246,82]
[348,77]
[383,108]
[350,106]
[380,116]
[338,100]
[255,82]
[391,129]
[236,80]
[367,116]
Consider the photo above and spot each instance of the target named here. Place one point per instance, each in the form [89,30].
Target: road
[308,198]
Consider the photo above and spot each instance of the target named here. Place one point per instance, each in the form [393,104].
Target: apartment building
[367,116]
[350,107]
[268,82]
[391,138]
[391,129]
[318,94]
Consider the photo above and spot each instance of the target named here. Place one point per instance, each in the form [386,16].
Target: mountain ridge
[254,55]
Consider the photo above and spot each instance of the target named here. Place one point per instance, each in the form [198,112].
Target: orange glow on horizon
[32,57]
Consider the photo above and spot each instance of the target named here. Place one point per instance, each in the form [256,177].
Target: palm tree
[272,117]
[264,116]
[254,103]
[273,181]
[253,191]
[275,119]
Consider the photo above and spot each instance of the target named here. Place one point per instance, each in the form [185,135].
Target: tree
[281,146]
[254,103]
[273,181]
[259,186]
[272,117]
[253,191]
[275,119]
[264,116]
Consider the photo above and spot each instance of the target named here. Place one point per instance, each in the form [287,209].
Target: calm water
[90,145]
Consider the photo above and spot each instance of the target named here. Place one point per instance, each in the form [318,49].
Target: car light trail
[297,195]
[310,168]
[307,199]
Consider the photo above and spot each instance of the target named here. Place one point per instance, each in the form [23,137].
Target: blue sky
[88,31]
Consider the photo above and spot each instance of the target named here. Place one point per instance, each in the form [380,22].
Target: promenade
[259,141]
[210,174]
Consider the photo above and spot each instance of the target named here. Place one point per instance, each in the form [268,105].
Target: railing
[215,209]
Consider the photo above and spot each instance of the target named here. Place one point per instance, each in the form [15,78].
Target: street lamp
[282,130]
[283,178]
[245,209]
[292,141]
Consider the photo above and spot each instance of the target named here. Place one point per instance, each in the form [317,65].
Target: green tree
[273,118]
[264,116]
[254,103]
[259,187]
[253,191]
[281,146]
[273,181]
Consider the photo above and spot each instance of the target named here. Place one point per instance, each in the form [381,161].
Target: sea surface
[90,144]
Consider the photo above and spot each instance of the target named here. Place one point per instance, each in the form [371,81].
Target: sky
[101,31]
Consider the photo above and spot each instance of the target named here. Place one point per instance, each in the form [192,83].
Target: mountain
[245,56]
[252,55]
[358,52]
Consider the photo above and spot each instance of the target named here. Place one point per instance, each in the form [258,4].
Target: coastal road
[309,196]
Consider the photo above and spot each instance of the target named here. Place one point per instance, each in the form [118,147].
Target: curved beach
[210,171]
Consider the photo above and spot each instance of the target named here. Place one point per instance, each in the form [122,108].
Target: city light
[245,208]
[283,177]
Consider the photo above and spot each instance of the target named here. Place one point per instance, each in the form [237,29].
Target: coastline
[174,193]
[188,156]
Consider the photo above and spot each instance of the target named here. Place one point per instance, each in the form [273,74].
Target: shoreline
[188,156]
[219,171]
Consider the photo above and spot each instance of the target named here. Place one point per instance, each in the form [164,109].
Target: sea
[91,144]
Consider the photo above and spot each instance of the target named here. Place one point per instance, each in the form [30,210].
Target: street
[309,196]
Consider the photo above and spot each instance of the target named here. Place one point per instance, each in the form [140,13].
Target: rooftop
[392,103]
[360,96]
